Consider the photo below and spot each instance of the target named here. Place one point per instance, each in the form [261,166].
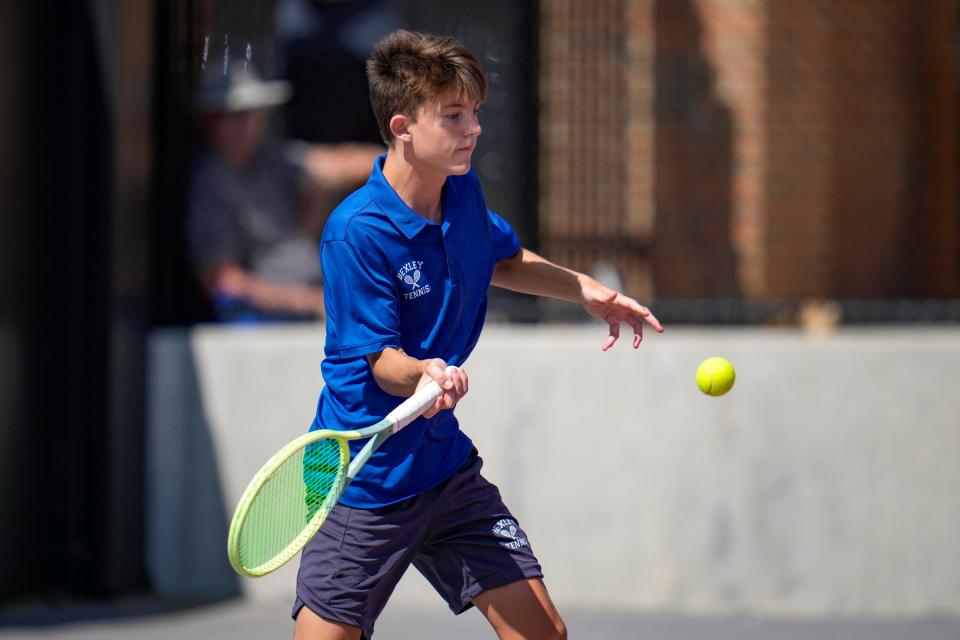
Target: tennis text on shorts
[508,528]
[411,275]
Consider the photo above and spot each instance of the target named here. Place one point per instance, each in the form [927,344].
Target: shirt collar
[406,219]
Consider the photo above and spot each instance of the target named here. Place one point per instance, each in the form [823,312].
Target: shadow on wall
[693,255]
[186,519]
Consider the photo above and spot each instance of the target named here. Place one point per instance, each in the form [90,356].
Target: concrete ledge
[825,483]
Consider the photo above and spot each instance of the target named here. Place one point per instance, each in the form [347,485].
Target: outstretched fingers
[637,331]
[634,314]
[614,334]
[651,319]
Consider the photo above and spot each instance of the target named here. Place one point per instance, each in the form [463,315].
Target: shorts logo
[508,529]
[411,275]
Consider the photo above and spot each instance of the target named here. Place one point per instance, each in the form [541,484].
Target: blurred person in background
[256,205]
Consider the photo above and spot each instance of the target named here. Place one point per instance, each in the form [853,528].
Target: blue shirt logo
[411,275]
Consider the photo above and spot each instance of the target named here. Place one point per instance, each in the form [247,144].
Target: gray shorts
[459,535]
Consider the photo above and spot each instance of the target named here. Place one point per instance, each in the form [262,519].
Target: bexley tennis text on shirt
[410,274]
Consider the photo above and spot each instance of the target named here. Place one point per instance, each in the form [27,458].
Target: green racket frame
[261,479]
[378,433]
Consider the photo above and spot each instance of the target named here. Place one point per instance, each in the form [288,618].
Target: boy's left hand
[613,307]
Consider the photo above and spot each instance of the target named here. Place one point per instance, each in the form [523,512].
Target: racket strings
[288,501]
[321,469]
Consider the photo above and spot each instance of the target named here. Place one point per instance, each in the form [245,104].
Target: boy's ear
[399,127]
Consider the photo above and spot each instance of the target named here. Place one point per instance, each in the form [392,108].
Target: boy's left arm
[530,273]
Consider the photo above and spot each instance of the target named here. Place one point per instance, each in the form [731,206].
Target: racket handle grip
[412,408]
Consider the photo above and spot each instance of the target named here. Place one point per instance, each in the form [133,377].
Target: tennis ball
[715,376]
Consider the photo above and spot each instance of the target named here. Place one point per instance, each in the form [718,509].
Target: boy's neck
[419,191]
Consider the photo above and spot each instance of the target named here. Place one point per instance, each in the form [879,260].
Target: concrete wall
[824,483]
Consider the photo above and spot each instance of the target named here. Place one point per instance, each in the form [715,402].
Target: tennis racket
[290,496]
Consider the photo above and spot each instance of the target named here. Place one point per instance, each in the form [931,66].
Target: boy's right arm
[528,272]
[402,375]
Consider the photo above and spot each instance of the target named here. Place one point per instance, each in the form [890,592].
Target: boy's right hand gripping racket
[289,498]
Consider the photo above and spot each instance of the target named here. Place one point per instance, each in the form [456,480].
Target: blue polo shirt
[394,279]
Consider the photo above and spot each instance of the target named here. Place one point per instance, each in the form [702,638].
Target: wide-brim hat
[241,88]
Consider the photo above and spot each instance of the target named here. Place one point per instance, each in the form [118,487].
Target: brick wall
[860,139]
[587,106]
[766,149]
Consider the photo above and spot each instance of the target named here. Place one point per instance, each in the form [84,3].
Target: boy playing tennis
[407,262]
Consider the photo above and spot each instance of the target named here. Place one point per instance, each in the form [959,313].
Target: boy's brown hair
[407,68]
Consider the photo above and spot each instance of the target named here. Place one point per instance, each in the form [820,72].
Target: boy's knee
[558,630]
[560,633]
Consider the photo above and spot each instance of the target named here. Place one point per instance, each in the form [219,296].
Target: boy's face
[445,133]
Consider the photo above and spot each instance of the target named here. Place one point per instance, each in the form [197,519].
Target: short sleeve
[505,241]
[361,300]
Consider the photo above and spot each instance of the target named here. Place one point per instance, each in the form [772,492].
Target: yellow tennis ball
[715,376]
